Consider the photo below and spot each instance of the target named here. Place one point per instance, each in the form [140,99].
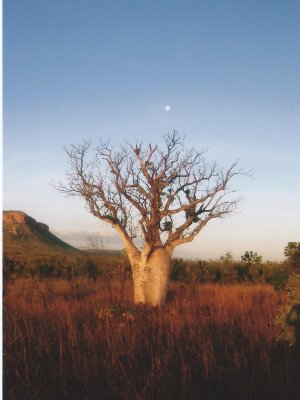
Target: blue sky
[229,70]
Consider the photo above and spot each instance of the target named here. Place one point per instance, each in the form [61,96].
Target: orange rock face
[18,217]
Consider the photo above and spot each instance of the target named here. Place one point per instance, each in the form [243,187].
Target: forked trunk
[151,278]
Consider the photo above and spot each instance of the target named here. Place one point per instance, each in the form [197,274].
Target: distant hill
[103,252]
[24,237]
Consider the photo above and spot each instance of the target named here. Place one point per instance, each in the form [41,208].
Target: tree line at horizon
[250,268]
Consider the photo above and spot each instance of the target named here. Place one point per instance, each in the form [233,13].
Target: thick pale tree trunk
[151,278]
[157,275]
[138,284]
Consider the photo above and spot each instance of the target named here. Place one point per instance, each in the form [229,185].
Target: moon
[167,108]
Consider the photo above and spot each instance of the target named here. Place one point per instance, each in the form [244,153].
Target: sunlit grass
[75,340]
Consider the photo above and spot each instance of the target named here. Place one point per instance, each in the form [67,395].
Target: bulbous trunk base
[151,279]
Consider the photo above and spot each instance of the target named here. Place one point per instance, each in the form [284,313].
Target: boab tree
[166,195]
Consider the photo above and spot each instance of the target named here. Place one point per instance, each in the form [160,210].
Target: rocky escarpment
[15,218]
[23,235]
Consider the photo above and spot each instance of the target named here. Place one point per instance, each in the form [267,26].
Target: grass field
[77,340]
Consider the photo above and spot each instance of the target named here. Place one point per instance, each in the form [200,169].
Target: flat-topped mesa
[19,217]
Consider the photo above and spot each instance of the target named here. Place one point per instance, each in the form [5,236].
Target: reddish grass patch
[68,340]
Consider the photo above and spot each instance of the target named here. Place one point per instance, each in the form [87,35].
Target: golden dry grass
[75,340]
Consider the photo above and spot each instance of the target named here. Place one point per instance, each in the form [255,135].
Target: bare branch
[166,194]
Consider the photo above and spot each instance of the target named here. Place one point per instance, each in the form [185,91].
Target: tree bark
[151,278]
[138,275]
[157,274]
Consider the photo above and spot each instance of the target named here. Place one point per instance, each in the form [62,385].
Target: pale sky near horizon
[224,74]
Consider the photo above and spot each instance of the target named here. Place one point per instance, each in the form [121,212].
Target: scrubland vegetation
[78,339]
[93,266]
[226,331]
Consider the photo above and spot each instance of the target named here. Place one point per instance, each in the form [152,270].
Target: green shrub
[278,278]
[288,316]
[45,270]
[292,251]
[90,270]
[179,271]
